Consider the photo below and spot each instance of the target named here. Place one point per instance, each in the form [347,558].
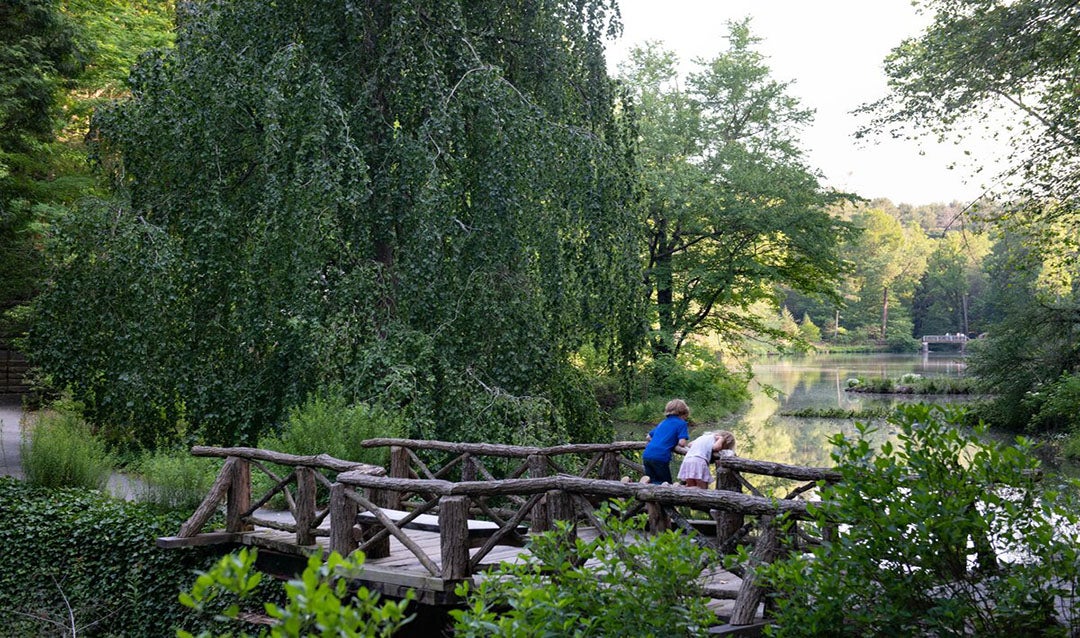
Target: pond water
[783,385]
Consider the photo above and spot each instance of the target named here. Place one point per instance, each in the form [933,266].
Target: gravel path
[11,414]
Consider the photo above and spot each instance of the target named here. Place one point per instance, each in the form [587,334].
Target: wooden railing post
[305,505]
[609,467]
[727,523]
[399,468]
[750,592]
[454,537]
[342,521]
[468,468]
[658,519]
[541,515]
[238,500]
[561,508]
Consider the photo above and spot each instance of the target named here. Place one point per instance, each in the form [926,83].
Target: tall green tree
[1005,68]
[424,203]
[889,259]
[38,54]
[948,298]
[733,210]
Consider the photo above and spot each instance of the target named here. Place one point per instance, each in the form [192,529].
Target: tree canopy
[425,203]
[732,208]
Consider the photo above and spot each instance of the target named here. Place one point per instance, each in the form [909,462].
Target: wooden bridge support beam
[454,537]
[238,500]
[342,514]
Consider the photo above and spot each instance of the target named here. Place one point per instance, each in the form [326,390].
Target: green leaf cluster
[732,210]
[633,585]
[941,534]
[318,603]
[426,205]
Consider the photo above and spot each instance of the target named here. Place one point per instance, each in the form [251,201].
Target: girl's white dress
[695,464]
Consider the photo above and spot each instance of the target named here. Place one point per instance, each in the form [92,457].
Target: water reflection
[783,385]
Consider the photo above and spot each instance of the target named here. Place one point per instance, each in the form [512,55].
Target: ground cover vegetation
[941,534]
[78,562]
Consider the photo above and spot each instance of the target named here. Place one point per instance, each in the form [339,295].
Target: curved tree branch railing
[233,485]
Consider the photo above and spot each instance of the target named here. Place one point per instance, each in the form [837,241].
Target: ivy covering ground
[82,559]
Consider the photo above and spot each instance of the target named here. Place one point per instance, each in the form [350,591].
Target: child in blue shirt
[671,432]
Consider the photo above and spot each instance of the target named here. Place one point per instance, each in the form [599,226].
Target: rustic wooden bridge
[443,513]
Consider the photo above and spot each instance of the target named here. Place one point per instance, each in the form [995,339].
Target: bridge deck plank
[401,570]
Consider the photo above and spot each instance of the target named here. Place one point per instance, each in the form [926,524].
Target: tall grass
[59,450]
[175,480]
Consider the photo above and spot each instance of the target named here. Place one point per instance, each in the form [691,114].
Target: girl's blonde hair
[728,438]
[677,407]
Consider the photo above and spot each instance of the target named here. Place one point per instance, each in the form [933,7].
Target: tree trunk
[884,312]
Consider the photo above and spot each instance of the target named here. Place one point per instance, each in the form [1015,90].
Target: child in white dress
[695,471]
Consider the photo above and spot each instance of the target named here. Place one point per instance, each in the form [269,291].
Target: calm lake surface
[786,384]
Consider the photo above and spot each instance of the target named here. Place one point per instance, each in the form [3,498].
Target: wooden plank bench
[479,531]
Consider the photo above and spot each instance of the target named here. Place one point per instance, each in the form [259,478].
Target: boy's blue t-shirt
[665,436]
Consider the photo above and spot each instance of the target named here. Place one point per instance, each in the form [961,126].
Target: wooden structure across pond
[442,512]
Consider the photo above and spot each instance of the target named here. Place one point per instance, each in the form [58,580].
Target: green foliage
[838,413]
[981,64]
[697,376]
[79,557]
[38,52]
[913,384]
[327,424]
[175,479]
[1057,405]
[732,209]
[319,603]
[943,534]
[1035,343]
[425,206]
[59,449]
[550,594]
[810,332]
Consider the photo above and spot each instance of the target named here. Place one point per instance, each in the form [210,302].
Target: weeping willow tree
[422,204]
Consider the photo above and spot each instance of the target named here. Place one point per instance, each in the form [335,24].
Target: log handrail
[316,461]
[511,451]
[662,494]
[233,486]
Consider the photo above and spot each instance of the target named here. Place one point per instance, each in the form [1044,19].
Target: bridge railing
[486,461]
[568,498]
[234,487]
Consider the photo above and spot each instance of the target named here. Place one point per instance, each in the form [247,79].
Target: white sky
[833,51]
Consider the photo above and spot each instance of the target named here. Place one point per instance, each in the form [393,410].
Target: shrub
[59,450]
[648,586]
[80,557]
[1057,405]
[175,480]
[943,535]
[319,601]
[711,390]
[328,424]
